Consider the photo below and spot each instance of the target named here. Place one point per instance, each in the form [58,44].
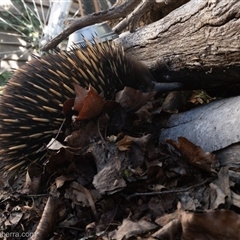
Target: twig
[34,195]
[134,16]
[99,131]
[169,191]
[111,14]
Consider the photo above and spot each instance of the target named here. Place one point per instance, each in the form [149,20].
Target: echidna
[31,104]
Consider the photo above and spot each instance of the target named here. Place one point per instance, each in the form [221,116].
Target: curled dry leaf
[88,103]
[33,179]
[67,106]
[60,181]
[218,197]
[84,136]
[91,228]
[109,179]
[81,93]
[169,231]
[130,229]
[81,189]
[194,154]
[131,99]
[14,218]
[125,143]
[55,145]
[167,218]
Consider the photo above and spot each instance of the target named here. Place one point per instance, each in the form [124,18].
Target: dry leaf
[218,197]
[125,143]
[68,106]
[131,99]
[81,93]
[55,145]
[33,179]
[194,154]
[169,231]
[109,180]
[60,181]
[78,189]
[84,136]
[14,218]
[88,103]
[130,229]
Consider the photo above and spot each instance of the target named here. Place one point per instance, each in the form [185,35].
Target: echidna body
[31,104]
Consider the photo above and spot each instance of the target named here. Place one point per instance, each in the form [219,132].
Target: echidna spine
[31,104]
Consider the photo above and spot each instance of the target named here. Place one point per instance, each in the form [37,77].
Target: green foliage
[4,77]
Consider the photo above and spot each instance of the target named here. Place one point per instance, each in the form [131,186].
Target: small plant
[4,76]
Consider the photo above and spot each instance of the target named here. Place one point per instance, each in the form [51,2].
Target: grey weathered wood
[212,126]
[230,156]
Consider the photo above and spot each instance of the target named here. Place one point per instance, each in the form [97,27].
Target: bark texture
[197,44]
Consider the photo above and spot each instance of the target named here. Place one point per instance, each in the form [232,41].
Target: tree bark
[197,44]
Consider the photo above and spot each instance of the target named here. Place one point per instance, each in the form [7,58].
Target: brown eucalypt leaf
[88,103]
[132,100]
[125,143]
[194,154]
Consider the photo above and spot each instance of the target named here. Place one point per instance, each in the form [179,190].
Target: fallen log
[213,126]
[197,44]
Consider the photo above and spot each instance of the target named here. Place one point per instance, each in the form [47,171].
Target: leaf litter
[112,179]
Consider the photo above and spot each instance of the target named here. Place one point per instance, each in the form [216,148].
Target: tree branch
[98,17]
[134,16]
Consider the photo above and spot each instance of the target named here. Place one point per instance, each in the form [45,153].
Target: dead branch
[98,17]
